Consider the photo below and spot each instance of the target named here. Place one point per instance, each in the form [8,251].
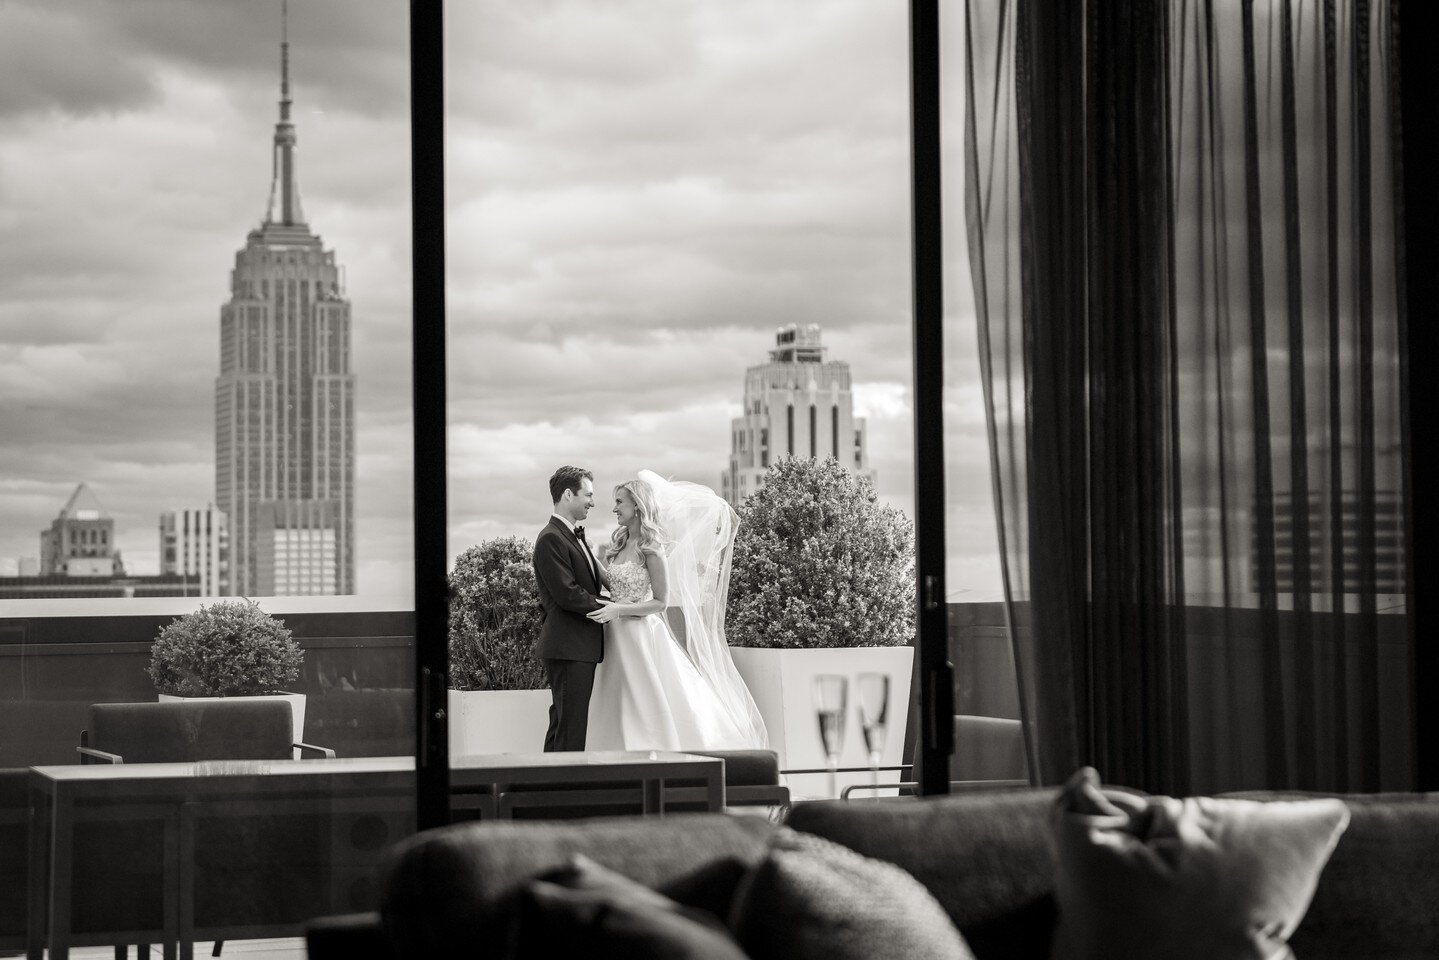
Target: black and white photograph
[716,478]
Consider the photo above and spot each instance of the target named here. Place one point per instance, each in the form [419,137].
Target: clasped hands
[608,611]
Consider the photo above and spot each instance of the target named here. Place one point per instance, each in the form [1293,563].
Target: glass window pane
[988,742]
[204,363]
[679,240]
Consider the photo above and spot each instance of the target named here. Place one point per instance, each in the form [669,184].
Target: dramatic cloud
[639,193]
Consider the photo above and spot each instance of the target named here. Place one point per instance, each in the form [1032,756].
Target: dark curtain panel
[1183,242]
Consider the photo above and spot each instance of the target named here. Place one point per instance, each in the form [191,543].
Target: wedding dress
[650,692]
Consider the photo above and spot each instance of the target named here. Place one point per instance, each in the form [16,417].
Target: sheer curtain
[1183,238]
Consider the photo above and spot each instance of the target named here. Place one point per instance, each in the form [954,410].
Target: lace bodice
[629,581]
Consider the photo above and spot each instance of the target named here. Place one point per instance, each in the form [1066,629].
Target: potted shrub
[822,582]
[228,649]
[499,700]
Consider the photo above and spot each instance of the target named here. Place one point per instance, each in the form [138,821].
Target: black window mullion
[1417,209]
[934,670]
[427,192]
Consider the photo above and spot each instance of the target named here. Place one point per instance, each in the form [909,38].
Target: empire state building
[285,399]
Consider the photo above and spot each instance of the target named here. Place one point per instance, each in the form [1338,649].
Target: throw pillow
[586,910]
[1199,878]
[710,888]
[812,899]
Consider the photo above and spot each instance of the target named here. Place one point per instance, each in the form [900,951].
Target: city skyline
[632,213]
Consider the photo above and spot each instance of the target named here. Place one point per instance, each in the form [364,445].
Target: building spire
[283,185]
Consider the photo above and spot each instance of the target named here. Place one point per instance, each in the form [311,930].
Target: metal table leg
[653,799]
[62,866]
[37,915]
[716,791]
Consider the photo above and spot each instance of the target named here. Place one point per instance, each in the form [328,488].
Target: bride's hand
[605,613]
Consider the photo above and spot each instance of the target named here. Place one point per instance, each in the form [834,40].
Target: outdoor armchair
[178,732]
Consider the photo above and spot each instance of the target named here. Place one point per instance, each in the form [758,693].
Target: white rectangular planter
[297,710]
[498,721]
[782,683]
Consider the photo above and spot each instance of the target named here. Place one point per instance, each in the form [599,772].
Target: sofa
[987,858]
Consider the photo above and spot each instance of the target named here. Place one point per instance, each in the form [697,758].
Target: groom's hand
[605,613]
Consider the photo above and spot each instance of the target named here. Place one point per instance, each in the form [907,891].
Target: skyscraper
[195,545]
[798,404]
[285,399]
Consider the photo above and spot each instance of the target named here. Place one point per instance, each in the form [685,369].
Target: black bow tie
[580,533]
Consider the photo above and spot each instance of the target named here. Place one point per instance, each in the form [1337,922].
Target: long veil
[700,527]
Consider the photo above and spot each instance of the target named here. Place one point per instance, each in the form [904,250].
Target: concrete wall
[357,674]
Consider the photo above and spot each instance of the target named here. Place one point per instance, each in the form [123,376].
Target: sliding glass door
[678,240]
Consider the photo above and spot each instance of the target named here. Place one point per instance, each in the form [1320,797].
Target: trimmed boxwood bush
[495,618]
[231,648]
[820,562]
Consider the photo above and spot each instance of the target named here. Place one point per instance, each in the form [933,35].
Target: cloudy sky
[640,192]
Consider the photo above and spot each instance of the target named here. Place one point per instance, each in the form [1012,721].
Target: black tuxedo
[570,644]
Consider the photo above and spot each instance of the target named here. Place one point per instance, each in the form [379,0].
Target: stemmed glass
[873,693]
[831,697]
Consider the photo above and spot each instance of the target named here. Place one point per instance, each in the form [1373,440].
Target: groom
[570,643]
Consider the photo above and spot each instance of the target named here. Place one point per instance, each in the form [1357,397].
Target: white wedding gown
[647,694]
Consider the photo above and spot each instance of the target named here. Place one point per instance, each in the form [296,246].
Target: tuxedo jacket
[568,588]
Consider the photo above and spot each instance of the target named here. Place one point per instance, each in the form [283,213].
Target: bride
[652,691]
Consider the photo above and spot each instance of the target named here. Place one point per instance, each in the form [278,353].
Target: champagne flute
[873,693]
[831,696]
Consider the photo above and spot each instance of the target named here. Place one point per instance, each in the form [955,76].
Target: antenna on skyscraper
[284,59]
[282,178]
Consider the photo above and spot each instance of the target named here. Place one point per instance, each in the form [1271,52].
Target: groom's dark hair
[568,478]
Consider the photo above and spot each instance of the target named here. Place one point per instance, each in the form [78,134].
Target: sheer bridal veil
[700,529]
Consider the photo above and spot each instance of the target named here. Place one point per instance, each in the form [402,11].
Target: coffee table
[503,773]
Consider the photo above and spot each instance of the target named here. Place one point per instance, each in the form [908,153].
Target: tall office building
[285,399]
[80,541]
[195,545]
[798,404]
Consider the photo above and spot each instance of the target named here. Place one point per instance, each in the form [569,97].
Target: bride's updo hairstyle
[651,536]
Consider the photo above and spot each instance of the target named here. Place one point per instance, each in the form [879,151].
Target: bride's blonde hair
[651,537]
